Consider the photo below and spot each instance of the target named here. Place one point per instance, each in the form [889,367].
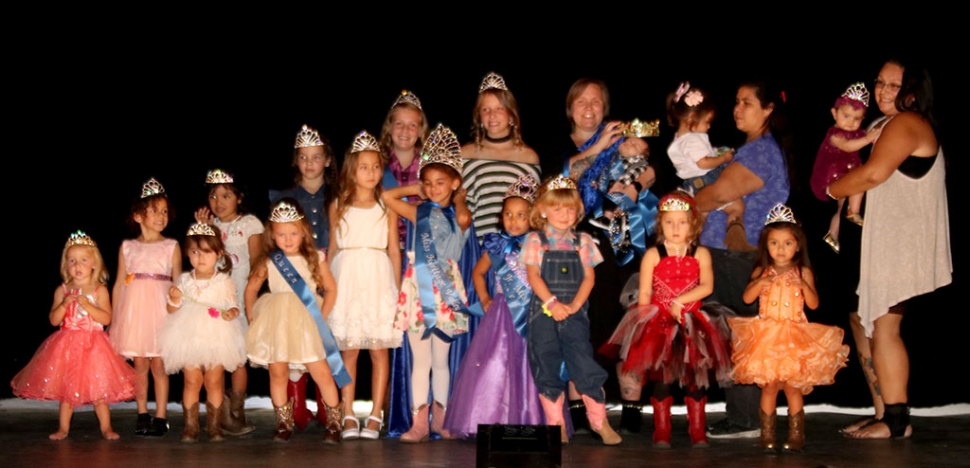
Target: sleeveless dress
[235,236]
[282,329]
[780,345]
[494,383]
[196,335]
[655,347]
[140,307]
[832,163]
[363,317]
[76,365]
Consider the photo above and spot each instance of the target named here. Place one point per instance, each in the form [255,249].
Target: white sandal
[351,434]
[368,433]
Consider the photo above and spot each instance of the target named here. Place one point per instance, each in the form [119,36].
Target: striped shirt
[486,181]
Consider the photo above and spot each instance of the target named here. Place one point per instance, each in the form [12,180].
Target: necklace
[676,251]
[497,140]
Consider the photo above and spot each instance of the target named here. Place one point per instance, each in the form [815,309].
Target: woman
[497,157]
[759,177]
[614,196]
[905,202]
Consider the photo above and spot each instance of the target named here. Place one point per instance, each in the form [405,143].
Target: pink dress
[76,365]
[140,309]
[832,163]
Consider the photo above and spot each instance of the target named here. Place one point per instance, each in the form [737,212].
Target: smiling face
[782,246]
[80,263]
[288,237]
[369,170]
[224,203]
[439,184]
[749,114]
[310,161]
[588,108]
[155,217]
[848,118]
[515,216]
[888,83]
[494,116]
[405,127]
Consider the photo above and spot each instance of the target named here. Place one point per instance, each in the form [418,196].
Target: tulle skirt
[800,354]
[139,312]
[77,367]
[191,337]
[494,383]
[283,331]
[654,347]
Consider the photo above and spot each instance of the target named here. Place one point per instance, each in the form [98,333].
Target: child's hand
[561,311]
[229,314]
[203,215]
[728,155]
[486,303]
[459,195]
[70,297]
[175,294]
[873,134]
[677,312]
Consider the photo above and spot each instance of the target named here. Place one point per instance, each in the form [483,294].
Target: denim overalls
[550,343]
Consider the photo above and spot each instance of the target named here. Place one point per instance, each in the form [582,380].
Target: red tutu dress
[76,365]
[780,345]
[654,347]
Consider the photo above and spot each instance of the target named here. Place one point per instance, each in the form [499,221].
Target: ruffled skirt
[191,337]
[283,331]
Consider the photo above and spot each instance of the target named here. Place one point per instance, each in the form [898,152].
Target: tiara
[151,188]
[308,137]
[201,229]
[676,202]
[493,81]
[641,129]
[80,238]
[218,176]
[780,214]
[857,92]
[284,212]
[407,97]
[561,182]
[442,147]
[365,142]
[525,187]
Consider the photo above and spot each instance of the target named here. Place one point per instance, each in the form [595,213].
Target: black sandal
[896,418]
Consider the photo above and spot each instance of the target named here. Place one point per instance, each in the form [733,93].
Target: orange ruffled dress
[780,345]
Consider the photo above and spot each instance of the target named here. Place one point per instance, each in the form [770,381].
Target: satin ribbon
[641,223]
[517,294]
[283,265]
[591,193]
[427,267]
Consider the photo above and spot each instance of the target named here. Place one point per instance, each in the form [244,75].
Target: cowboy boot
[661,421]
[553,412]
[334,415]
[190,434]
[438,421]
[284,421]
[296,391]
[212,427]
[767,430]
[232,415]
[632,418]
[577,411]
[419,427]
[796,432]
[697,421]
[596,414]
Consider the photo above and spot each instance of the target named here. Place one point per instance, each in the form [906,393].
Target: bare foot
[110,435]
[878,430]
[859,424]
[59,435]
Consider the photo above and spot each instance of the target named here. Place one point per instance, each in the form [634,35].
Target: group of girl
[324,306]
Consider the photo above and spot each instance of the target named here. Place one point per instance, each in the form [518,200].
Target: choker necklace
[497,140]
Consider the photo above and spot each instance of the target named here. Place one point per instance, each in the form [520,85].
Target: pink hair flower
[213,312]
[693,98]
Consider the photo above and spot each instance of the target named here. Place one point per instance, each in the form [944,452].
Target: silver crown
[307,137]
[561,182]
[201,229]
[780,214]
[409,98]
[442,147]
[675,202]
[493,81]
[218,176]
[525,187]
[80,238]
[857,92]
[365,142]
[284,212]
[151,188]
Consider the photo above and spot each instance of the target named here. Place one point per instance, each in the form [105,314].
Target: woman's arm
[906,134]
[478,279]
[735,182]
[580,162]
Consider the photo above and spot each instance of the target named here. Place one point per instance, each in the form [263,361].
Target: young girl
[77,365]
[368,276]
[839,153]
[779,349]
[666,337]
[201,337]
[288,328]
[493,384]
[559,265]
[432,303]
[146,266]
[402,137]
[241,236]
[690,111]
[315,182]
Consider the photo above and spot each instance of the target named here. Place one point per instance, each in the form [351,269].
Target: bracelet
[550,301]
[674,301]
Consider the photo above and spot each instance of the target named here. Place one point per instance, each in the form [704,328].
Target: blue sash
[427,267]
[590,193]
[517,295]
[283,265]
[641,221]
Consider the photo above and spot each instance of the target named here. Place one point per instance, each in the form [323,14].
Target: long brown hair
[348,185]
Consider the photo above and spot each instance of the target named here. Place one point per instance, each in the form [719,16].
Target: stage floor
[937,441]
